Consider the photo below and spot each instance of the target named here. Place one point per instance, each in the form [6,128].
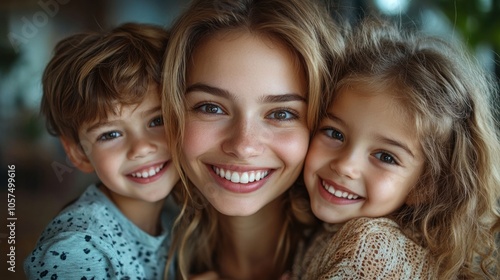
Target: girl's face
[245,134]
[364,160]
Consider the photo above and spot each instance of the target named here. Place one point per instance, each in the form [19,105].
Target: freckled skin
[243,131]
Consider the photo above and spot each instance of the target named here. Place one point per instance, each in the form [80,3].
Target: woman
[242,86]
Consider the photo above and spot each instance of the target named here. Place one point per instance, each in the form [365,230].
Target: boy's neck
[145,215]
[248,244]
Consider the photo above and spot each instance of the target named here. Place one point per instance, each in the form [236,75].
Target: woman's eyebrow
[286,97]
[209,89]
[272,98]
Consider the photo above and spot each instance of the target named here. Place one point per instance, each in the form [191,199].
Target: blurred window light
[485,5]
[393,7]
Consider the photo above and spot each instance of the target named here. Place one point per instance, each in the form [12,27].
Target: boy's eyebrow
[99,125]
[226,94]
[152,110]
[110,123]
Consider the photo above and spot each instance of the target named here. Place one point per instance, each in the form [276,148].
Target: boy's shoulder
[91,212]
[91,238]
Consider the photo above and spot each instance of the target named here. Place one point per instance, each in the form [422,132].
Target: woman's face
[245,133]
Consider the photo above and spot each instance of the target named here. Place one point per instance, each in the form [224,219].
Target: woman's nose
[244,140]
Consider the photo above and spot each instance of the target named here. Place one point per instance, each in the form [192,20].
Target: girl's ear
[76,155]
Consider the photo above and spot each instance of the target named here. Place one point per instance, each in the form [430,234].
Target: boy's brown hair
[92,72]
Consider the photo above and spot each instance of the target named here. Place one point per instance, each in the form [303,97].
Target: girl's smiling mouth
[337,192]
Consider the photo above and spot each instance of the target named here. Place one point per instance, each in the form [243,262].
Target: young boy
[101,97]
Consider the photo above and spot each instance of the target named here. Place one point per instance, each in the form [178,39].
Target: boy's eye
[209,108]
[386,157]
[109,136]
[158,121]
[333,133]
[282,115]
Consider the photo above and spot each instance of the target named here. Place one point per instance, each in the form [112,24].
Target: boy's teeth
[148,173]
[240,177]
[338,193]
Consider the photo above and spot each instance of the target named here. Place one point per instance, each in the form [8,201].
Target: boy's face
[364,159]
[128,151]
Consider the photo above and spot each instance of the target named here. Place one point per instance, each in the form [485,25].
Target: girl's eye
[158,121]
[109,136]
[209,108]
[333,133]
[386,157]
[282,115]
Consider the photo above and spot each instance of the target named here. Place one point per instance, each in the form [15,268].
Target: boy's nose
[141,147]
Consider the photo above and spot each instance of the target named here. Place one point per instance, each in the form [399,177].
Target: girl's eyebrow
[332,117]
[389,141]
[396,143]
[286,97]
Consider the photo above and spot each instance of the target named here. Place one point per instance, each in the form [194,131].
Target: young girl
[242,90]
[404,168]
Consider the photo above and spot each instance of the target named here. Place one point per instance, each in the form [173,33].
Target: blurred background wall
[29,29]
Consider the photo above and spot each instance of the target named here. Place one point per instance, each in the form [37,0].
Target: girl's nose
[346,163]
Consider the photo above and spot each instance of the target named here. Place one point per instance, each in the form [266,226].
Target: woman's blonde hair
[454,208]
[308,31]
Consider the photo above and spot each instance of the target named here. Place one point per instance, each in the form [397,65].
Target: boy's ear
[76,155]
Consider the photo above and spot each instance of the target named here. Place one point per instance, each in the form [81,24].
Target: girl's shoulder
[377,246]
[376,233]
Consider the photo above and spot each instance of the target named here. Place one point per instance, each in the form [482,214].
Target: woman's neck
[249,244]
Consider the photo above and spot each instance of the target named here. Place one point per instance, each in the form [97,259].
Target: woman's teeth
[148,172]
[240,177]
[338,193]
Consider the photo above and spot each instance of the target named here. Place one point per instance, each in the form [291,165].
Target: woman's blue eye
[333,133]
[385,157]
[109,136]
[210,109]
[158,121]
[282,115]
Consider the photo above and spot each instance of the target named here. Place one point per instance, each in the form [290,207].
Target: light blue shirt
[92,239]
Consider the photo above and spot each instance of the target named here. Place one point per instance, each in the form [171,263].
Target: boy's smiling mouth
[148,172]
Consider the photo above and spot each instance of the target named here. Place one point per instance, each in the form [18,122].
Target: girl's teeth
[148,173]
[338,193]
[240,177]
